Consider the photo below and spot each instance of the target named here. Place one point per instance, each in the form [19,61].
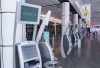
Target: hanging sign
[86,11]
[88,21]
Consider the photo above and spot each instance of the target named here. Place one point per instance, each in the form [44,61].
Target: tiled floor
[86,57]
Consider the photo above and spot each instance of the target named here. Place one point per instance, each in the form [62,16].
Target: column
[80,26]
[80,23]
[65,23]
[55,29]
[76,29]
[65,16]
[8,11]
[75,23]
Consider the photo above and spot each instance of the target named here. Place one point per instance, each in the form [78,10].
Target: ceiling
[55,7]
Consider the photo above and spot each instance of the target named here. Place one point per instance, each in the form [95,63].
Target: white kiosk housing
[29,55]
[28,51]
[46,52]
[44,47]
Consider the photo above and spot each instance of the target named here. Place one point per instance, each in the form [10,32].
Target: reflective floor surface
[86,57]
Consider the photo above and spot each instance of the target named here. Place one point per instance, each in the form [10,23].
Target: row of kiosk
[35,53]
[32,54]
[71,40]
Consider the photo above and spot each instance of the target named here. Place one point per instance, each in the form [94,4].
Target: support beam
[75,23]
[80,26]
[80,23]
[76,29]
[65,23]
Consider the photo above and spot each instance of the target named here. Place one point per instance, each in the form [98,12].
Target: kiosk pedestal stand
[52,64]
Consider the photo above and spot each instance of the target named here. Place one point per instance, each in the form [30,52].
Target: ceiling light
[52,19]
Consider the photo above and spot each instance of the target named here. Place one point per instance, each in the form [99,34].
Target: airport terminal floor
[86,57]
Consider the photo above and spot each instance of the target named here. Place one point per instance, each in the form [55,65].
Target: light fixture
[52,19]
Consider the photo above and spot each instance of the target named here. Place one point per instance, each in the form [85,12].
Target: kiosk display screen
[28,13]
[29,52]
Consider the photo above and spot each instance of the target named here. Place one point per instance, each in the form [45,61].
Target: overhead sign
[28,13]
[88,21]
[86,11]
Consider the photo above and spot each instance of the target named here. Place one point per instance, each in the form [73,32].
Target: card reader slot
[32,63]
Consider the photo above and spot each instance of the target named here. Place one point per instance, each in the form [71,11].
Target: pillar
[80,23]
[76,29]
[80,26]
[55,28]
[75,22]
[65,23]
[8,11]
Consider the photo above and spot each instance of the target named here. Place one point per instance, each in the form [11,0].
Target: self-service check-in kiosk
[46,52]
[67,43]
[29,52]
[29,55]
[44,47]
[76,35]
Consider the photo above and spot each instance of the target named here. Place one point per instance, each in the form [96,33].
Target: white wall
[8,21]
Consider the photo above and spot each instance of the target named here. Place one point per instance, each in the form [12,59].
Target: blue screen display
[29,14]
